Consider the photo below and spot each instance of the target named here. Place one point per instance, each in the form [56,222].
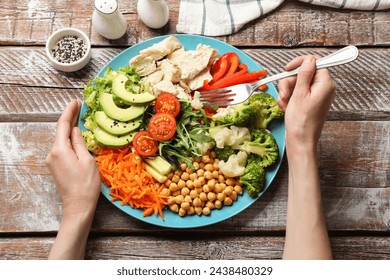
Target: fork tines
[219,97]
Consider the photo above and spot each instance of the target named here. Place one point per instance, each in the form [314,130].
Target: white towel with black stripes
[224,17]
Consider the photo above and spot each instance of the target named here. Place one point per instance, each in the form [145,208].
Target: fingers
[285,89]
[78,144]
[305,75]
[67,121]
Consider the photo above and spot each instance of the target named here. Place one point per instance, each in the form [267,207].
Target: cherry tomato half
[162,126]
[144,144]
[167,103]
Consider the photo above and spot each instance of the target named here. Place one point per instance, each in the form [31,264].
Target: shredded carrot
[123,172]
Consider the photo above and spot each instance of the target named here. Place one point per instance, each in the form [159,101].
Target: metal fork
[239,93]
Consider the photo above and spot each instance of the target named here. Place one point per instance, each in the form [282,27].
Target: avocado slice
[113,141]
[116,127]
[113,111]
[118,88]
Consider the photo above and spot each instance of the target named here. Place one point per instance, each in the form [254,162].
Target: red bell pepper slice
[220,68]
[234,61]
[235,80]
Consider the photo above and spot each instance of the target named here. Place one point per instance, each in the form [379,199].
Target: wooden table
[354,151]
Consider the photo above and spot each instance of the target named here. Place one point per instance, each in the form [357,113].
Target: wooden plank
[31,90]
[179,247]
[354,174]
[292,24]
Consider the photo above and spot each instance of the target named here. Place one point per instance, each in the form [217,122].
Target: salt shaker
[154,13]
[107,20]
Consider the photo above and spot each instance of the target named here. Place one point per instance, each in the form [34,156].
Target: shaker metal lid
[106,6]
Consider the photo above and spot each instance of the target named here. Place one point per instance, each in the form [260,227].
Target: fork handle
[339,57]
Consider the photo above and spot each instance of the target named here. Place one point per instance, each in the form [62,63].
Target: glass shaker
[107,20]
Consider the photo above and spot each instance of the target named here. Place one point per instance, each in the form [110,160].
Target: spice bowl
[68,49]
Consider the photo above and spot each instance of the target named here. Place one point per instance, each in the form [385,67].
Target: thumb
[78,143]
[305,75]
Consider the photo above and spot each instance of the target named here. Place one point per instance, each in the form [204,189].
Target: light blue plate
[173,220]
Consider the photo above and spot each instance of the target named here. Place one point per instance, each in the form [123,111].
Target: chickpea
[177,172]
[171,200]
[206,159]
[202,180]
[193,177]
[237,189]
[218,204]
[190,184]
[211,196]
[188,198]
[185,191]
[196,165]
[191,210]
[210,205]
[176,193]
[182,212]
[197,202]
[227,201]
[185,176]
[198,210]
[197,183]
[230,182]
[181,184]
[206,211]
[200,172]
[201,165]
[216,160]
[216,166]
[209,167]
[199,190]
[194,194]
[211,183]
[208,175]
[166,191]
[203,196]
[189,170]
[167,183]
[207,188]
[183,166]
[221,196]
[173,187]
[215,174]
[174,208]
[185,205]
[175,178]
[179,199]
[169,175]
[221,179]
[213,155]
[233,196]
[218,188]
[228,191]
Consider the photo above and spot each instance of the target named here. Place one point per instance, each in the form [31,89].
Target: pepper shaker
[154,13]
[107,20]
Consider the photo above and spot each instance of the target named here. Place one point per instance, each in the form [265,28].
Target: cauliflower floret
[195,102]
[235,165]
[232,136]
[222,113]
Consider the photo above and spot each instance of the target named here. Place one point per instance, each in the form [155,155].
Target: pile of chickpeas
[201,189]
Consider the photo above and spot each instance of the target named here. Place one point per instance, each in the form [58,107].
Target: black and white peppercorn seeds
[69,49]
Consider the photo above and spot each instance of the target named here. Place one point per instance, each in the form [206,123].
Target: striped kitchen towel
[224,17]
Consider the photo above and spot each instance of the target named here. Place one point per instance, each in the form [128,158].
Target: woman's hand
[77,180]
[306,100]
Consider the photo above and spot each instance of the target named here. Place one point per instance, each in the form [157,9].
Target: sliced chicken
[154,78]
[191,63]
[171,72]
[198,81]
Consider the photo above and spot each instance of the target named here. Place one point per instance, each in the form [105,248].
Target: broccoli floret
[258,111]
[224,153]
[266,109]
[242,115]
[253,178]
[263,145]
